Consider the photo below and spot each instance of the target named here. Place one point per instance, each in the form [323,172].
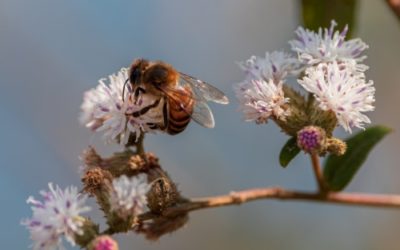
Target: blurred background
[53,51]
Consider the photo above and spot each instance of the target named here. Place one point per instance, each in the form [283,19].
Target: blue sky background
[52,51]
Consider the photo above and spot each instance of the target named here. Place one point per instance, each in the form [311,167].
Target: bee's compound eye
[135,76]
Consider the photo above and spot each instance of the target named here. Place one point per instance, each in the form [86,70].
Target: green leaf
[339,170]
[288,152]
[319,13]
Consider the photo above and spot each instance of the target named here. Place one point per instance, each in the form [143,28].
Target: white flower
[260,94]
[328,46]
[261,99]
[339,90]
[276,65]
[128,197]
[58,215]
[104,109]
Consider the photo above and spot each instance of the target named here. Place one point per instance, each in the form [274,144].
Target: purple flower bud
[311,139]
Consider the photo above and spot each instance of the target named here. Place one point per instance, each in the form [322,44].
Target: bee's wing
[204,90]
[200,112]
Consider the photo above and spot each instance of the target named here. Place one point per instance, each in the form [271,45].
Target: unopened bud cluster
[124,185]
[127,187]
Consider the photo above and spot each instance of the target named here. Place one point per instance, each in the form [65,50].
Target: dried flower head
[339,90]
[58,215]
[336,146]
[327,46]
[128,197]
[259,100]
[95,180]
[105,109]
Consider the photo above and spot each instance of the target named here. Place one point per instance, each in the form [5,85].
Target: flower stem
[140,147]
[318,172]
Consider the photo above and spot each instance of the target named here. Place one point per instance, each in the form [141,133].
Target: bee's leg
[153,126]
[165,113]
[163,126]
[140,148]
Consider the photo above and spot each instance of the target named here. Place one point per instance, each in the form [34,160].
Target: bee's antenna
[123,89]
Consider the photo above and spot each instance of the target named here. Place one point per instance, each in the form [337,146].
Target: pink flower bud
[104,242]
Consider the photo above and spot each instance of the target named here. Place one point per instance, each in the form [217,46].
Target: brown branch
[236,198]
[395,6]
[322,195]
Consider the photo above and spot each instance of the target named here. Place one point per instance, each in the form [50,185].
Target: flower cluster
[276,66]
[332,73]
[339,90]
[108,108]
[260,94]
[58,215]
[328,46]
[261,99]
[128,196]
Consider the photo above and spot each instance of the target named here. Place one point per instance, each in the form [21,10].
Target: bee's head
[136,71]
[159,74]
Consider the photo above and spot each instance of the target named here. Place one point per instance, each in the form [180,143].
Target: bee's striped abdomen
[180,108]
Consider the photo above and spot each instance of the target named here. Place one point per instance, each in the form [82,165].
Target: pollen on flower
[128,197]
[328,45]
[104,109]
[259,100]
[56,216]
[348,95]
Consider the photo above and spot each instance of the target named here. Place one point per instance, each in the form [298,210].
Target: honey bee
[181,96]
